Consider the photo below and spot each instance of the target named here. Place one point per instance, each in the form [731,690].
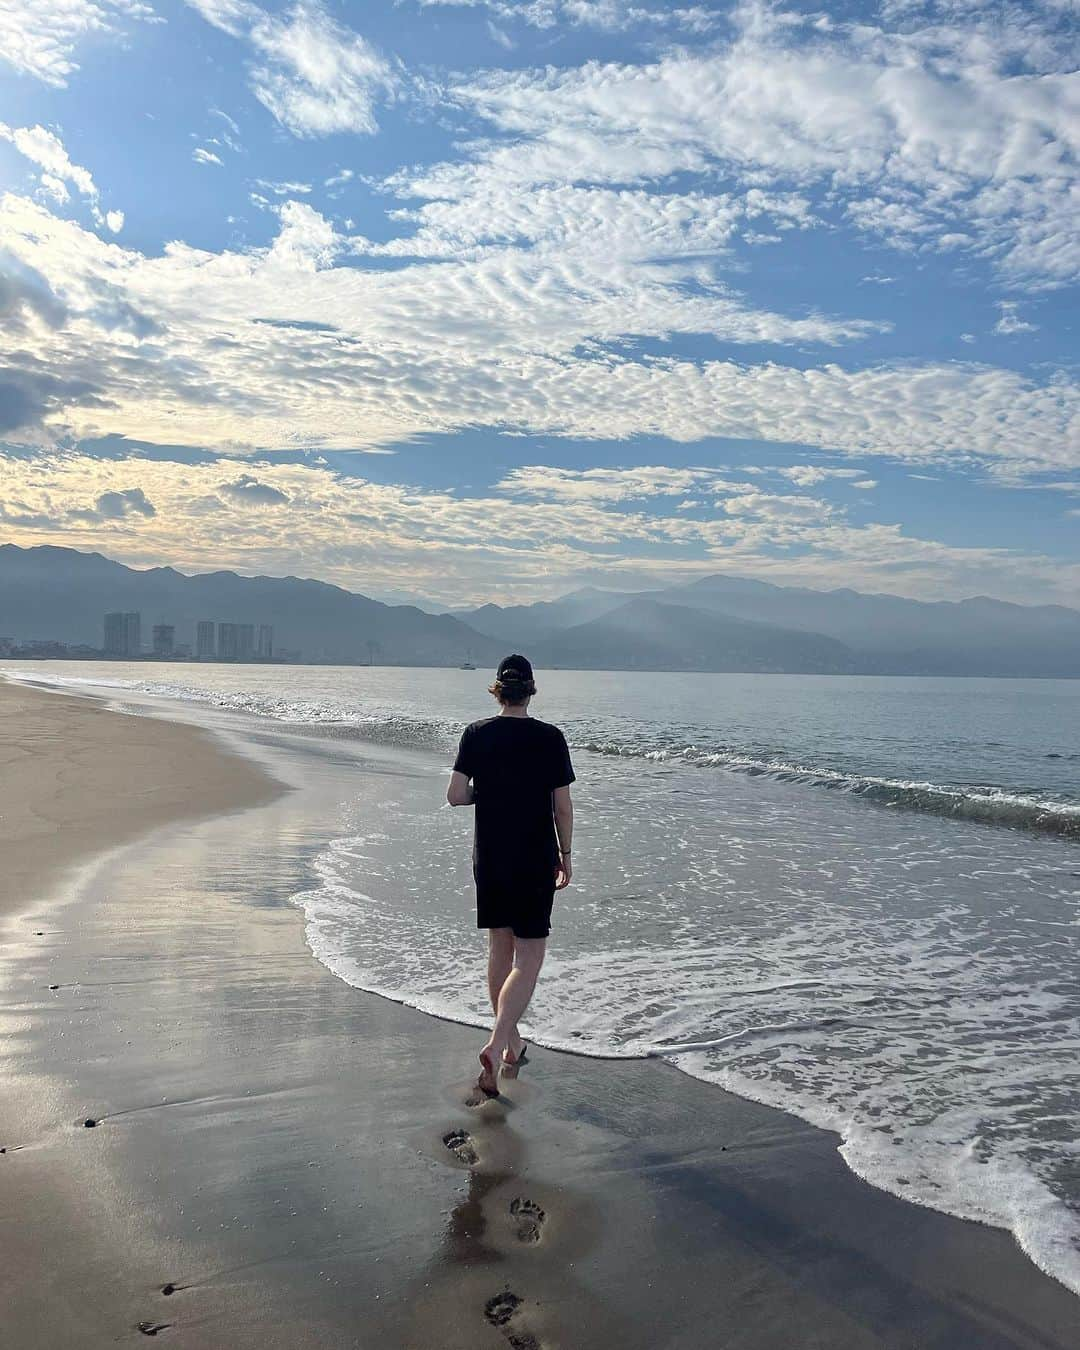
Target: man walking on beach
[516,770]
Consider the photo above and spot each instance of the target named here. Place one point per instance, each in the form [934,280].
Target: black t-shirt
[515,764]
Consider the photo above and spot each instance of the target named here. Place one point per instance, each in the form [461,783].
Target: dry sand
[280,1160]
[76,779]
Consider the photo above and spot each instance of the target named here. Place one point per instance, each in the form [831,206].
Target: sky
[489,300]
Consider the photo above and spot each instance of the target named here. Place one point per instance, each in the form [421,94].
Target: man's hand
[460,791]
[563,810]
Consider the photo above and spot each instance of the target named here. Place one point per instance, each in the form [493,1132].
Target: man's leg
[500,963]
[514,998]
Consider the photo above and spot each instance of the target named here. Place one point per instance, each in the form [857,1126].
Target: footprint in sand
[500,1309]
[460,1143]
[529,1219]
[475,1098]
[152,1328]
[502,1312]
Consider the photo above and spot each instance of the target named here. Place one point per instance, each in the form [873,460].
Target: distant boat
[467,665]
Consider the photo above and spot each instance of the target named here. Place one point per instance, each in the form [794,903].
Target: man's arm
[460,791]
[563,808]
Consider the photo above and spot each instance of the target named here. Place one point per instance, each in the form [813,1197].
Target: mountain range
[717,623]
[60,593]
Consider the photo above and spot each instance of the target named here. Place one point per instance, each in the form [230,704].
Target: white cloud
[54,188]
[806,475]
[203,156]
[306,241]
[608,15]
[639,262]
[367,535]
[45,149]
[229,121]
[927,135]
[488,207]
[280,348]
[774,507]
[39,37]
[314,75]
[611,485]
[1010,322]
[231,16]
[286,189]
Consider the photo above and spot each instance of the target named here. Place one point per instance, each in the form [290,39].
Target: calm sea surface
[852,898]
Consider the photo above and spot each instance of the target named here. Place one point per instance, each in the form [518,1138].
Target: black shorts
[525,910]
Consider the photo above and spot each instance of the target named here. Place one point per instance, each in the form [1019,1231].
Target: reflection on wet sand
[503,1269]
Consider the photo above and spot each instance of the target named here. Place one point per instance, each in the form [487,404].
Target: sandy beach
[210,1139]
[78,780]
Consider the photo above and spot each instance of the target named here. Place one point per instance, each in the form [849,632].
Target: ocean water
[855,899]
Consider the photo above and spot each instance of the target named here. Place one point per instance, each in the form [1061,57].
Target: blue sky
[493,299]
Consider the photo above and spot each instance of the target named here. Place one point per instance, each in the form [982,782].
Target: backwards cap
[514,669]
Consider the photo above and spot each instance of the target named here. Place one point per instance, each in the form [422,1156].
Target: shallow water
[906,977]
[1003,751]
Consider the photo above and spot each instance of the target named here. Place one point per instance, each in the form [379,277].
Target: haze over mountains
[61,593]
[718,623]
[857,633]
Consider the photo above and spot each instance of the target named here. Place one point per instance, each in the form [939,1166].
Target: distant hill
[644,634]
[61,593]
[882,634]
[513,623]
[717,623]
[892,634]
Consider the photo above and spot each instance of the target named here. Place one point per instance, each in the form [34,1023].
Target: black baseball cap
[514,669]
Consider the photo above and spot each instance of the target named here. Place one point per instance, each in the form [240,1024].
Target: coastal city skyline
[717,623]
[123,640]
[490,299]
[223,641]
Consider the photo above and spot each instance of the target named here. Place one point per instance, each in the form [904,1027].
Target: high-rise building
[164,639]
[227,641]
[236,641]
[204,640]
[265,647]
[123,634]
[114,634]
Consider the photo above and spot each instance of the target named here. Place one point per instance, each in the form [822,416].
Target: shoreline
[633,1164]
[170,663]
[90,780]
[1004,804]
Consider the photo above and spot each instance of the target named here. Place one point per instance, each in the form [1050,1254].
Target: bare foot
[511,1056]
[487,1082]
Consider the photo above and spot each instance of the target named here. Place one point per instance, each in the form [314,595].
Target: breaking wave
[985,805]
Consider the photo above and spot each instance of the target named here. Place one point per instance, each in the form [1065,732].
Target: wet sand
[278,1159]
